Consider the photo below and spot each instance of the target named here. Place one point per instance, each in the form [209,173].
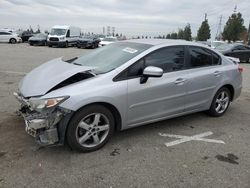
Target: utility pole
[218,33]
[235,9]
[113,31]
[103,30]
[108,30]
[249,34]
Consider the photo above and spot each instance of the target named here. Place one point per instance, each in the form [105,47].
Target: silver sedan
[126,84]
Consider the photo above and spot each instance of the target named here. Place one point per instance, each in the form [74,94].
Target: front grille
[53,39]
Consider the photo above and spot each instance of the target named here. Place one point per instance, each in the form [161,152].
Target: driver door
[158,98]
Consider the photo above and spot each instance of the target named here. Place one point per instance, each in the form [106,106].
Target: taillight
[240,68]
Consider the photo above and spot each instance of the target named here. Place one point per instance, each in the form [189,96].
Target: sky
[129,17]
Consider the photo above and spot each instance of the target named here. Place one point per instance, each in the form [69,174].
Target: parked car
[10,37]
[63,36]
[25,36]
[215,44]
[88,42]
[236,50]
[100,36]
[39,39]
[126,84]
[108,40]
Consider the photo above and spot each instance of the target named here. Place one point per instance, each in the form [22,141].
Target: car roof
[155,42]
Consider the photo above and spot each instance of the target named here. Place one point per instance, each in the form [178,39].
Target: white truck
[63,36]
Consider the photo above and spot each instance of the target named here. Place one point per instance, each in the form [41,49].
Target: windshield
[40,35]
[112,56]
[224,47]
[58,31]
[109,39]
[87,37]
[217,43]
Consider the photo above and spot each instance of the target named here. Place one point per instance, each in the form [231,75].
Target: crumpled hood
[41,79]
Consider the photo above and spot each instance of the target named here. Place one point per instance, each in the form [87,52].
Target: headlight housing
[61,38]
[42,104]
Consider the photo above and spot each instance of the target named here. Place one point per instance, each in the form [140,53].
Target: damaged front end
[42,118]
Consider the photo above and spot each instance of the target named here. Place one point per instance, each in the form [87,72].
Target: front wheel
[90,128]
[66,44]
[220,103]
[12,41]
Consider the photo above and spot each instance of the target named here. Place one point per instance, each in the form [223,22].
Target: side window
[169,59]
[1,33]
[5,33]
[200,57]
[68,33]
[216,59]
[136,69]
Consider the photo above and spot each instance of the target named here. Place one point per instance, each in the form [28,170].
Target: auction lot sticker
[130,50]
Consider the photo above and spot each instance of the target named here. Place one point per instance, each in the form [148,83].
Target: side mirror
[151,71]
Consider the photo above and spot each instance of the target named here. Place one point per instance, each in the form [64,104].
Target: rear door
[205,74]
[4,36]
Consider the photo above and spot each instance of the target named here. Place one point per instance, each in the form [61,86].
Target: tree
[204,31]
[188,33]
[168,36]
[174,35]
[181,34]
[234,28]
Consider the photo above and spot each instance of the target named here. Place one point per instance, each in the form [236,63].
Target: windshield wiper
[72,60]
[77,64]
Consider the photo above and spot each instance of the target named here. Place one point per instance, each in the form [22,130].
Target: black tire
[50,45]
[31,44]
[212,111]
[72,129]
[12,41]
[66,44]
[93,46]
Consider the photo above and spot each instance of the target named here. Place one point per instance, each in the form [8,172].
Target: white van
[63,36]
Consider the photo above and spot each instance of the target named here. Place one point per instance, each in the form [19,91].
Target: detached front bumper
[43,126]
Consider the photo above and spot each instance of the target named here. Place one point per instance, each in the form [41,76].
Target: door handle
[217,73]
[180,81]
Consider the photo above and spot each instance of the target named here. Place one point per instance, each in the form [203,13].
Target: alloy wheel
[222,102]
[92,130]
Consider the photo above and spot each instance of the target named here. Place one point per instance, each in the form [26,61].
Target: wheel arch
[11,39]
[112,108]
[64,124]
[231,89]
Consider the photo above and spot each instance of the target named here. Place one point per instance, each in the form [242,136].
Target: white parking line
[197,137]
[13,72]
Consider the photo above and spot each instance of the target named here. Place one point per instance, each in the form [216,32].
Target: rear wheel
[12,41]
[220,103]
[90,128]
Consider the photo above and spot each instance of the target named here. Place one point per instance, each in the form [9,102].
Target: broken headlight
[41,104]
